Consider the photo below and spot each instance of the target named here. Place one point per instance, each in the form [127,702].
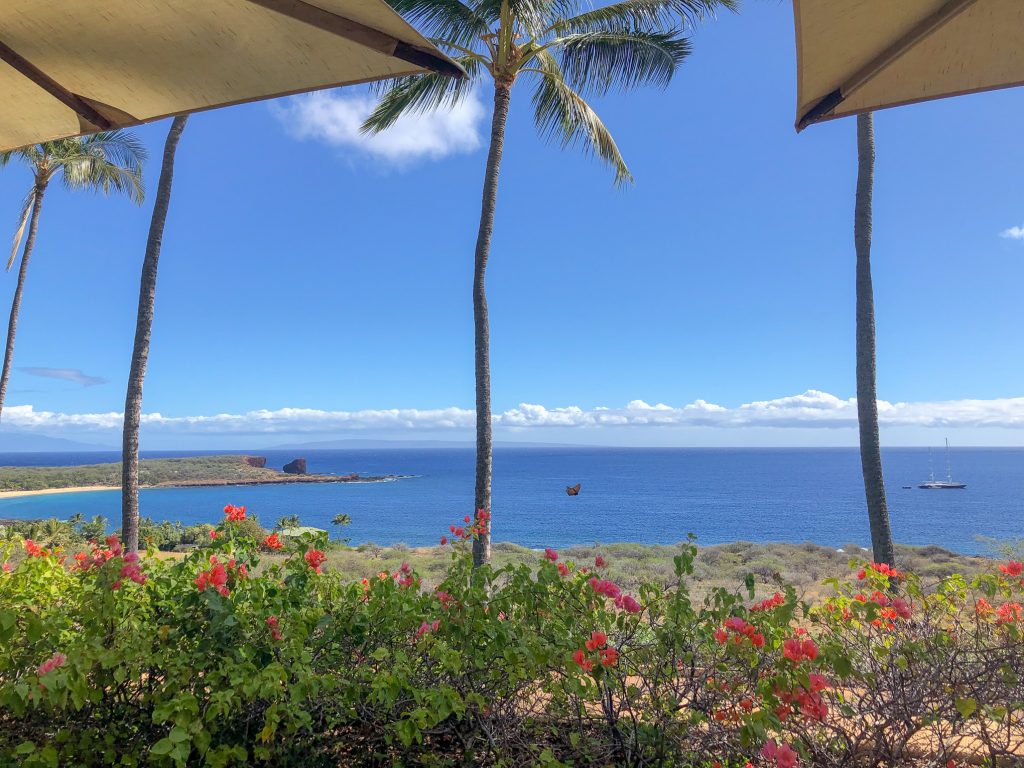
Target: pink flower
[901,608]
[606,588]
[781,755]
[629,604]
[54,662]
[599,562]
[550,554]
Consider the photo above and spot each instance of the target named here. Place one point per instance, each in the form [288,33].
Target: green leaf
[966,707]
[163,747]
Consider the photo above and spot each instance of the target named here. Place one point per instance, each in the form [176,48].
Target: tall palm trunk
[140,353]
[867,396]
[12,324]
[482,336]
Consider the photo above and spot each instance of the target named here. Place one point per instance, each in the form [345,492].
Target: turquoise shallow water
[647,495]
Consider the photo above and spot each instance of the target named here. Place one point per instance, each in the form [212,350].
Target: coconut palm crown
[105,162]
[568,51]
[565,48]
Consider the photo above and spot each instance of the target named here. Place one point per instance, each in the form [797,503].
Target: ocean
[646,495]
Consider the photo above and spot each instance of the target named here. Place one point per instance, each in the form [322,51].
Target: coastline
[284,480]
[48,491]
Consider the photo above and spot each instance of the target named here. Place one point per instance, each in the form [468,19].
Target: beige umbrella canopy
[69,67]
[856,56]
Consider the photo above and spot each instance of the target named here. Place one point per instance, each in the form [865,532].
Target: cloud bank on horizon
[812,409]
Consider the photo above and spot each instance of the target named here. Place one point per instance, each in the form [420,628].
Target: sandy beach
[47,491]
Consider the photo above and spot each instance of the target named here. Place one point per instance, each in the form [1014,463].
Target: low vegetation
[194,470]
[258,650]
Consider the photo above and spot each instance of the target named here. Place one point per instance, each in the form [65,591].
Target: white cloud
[1013,233]
[812,409]
[334,118]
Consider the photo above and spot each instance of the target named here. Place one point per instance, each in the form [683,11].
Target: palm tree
[867,395]
[140,352]
[111,160]
[567,53]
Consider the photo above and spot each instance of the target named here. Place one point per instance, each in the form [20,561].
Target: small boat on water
[949,483]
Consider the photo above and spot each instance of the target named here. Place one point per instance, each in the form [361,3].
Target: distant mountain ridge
[24,442]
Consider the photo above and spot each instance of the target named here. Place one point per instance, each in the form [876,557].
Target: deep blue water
[648,495]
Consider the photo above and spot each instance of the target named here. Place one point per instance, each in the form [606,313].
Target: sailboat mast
[949,469]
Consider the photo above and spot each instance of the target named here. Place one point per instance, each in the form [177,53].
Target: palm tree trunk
[482,336]
[12,324]
[867,396]
[140,353]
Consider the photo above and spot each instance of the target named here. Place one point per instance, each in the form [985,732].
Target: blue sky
[304,268]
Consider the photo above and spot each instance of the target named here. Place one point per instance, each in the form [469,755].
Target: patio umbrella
[69,67]
[857,56]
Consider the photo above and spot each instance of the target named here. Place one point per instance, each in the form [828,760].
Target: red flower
[582,661]
[466,519]
[444,540]
[315,558]
[1012,568]
[213,533]
[721,636]
[609,657]
[272,542]
[1010,613]
[231,512]
[597,640]
[34,550]
[563,569]
[772,602]
[550,554]
[599,562]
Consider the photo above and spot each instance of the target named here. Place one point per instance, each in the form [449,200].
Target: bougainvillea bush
[221,659]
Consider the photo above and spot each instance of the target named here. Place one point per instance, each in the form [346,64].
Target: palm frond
[26,209]
[450,20]
[529,17]
[30,154]
[420,93]
[643,14]
[106,161]
[596,62]
[562,115]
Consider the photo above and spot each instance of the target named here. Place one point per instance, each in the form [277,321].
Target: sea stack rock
[295,467]
[257,462]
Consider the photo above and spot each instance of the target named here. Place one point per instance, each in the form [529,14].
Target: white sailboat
[949,482]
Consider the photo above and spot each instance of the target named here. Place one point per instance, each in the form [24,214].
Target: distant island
[167,473]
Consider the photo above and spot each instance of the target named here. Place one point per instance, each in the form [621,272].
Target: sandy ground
[77,489]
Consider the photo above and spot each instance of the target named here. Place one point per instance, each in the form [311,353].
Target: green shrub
[218,659]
